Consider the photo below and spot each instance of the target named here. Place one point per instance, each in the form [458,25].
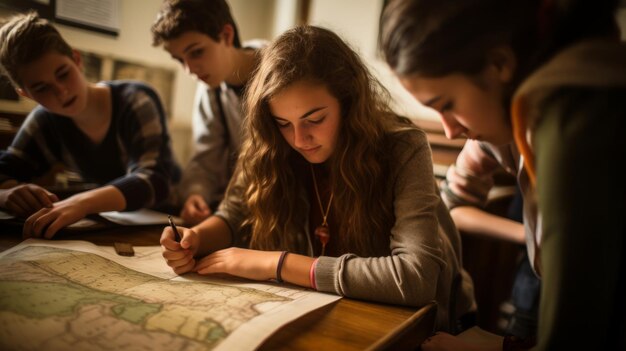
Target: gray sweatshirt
[424,257]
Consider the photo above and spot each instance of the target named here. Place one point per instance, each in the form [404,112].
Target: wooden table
[343,325]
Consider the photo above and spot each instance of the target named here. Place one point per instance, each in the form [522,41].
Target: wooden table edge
[394,337]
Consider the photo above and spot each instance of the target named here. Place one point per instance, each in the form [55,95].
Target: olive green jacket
[574,111]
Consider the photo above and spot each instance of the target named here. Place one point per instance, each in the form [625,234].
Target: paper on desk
[5,215]
[139,217]
[85,223]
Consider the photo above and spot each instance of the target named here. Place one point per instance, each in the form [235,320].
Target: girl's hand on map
[179,256]
[250,264]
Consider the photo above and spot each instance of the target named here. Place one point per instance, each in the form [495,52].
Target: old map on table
[62,295]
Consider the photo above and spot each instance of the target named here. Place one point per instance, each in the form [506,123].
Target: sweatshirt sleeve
[207,173]
[33,150]
[420,252]
[469,180]
[233,210]
[151,168]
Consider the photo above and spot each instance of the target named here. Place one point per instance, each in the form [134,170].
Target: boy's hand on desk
[179,256]
[46,222]
[195,210]
[26,199]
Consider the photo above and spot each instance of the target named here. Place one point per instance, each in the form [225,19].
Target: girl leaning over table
[333,191]
[540,86]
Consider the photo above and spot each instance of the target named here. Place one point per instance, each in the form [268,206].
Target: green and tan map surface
[77,296]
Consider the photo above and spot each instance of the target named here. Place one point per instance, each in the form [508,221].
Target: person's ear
[77,58]
[503,59]
[24,93]
[228,34]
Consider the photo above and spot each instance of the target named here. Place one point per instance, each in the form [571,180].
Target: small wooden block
[124,249]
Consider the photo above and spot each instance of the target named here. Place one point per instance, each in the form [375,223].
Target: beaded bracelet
[312,274]
[279,267]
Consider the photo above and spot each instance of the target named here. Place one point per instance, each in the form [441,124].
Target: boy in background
[203,37]
[112,134]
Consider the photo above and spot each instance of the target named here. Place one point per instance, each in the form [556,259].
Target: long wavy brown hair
[275,174]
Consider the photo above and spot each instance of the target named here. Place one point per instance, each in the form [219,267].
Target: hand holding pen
[178,250]
[176,234]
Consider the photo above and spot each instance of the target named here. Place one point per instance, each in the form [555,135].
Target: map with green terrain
[53,298]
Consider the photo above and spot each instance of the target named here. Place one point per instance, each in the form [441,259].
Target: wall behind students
[254,18]
[361,28]
[263,19]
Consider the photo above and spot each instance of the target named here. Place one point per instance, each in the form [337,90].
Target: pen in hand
[176,234]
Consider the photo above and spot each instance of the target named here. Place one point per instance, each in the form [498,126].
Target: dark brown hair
[433,38]
[204,16]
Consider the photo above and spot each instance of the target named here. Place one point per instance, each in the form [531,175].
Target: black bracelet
[279,267]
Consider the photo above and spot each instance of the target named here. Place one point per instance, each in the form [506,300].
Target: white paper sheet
[5,215]
[139,217]
[131,218]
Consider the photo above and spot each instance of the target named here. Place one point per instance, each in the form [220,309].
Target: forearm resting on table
[476,221]
[106,198]
[296,269]
[214,234]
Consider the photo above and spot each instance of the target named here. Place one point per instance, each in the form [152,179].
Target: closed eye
[63,74]
[447,107]
[281,123]
[196,53]
[317,121]
[40,88]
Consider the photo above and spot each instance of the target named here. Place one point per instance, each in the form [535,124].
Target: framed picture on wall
[101,16]
[43,7]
